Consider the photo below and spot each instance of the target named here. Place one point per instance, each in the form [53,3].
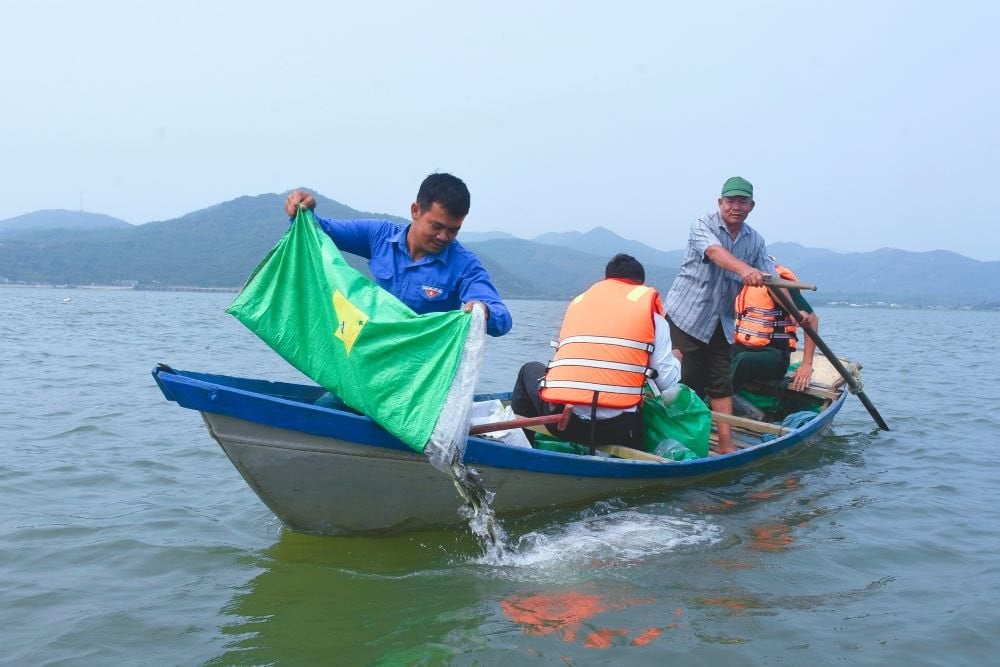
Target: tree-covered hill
[219,247]
[215,247]
[57,219]
[935,278]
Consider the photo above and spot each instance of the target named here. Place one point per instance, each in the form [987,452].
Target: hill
[934,278]
[214,247]
[473,236]
[529,269]
[598,241]
[220,245]
[51,219]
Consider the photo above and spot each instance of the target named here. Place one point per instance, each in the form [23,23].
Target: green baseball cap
[737,186]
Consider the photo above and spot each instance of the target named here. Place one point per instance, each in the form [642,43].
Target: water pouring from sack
[446,447]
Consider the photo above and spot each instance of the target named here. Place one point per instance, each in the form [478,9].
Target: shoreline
[125,288]
[233,290]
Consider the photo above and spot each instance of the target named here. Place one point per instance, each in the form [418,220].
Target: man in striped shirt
[723,254]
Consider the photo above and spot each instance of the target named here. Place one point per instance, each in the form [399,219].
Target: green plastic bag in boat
[678,432]
[687,420]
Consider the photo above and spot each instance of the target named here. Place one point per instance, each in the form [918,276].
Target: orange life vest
[604,345]
[760,321]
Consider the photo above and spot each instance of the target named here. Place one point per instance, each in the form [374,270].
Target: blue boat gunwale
[292,406]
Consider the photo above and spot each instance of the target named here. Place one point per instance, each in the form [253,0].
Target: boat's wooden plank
[744,431]
[618,451]
[751,425]
[826,380]
[816,391]
[628,453]
[827,394]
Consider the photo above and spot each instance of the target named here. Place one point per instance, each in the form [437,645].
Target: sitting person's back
[613,338]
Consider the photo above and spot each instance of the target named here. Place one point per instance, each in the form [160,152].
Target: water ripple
[128,537]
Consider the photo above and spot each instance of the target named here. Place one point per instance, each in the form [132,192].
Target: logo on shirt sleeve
[431,292]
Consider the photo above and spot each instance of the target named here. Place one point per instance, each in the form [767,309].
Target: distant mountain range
[218,247]
[59,219]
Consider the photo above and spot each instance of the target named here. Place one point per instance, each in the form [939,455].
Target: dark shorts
[705,367]
[625,429]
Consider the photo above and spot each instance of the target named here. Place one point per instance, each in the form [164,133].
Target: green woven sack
[349,335]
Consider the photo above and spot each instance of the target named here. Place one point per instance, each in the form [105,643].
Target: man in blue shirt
[723,254]
[421,264]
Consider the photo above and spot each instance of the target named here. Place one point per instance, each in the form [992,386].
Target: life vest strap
[590,386]
[766,322]
[767,312]
[607,340]
[608,365]
[772,335]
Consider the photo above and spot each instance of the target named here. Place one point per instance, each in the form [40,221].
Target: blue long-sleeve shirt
[431,284]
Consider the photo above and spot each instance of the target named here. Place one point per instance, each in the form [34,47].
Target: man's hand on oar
[775,281]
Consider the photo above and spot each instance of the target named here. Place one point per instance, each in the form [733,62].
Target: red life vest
[760,321]
[604,345]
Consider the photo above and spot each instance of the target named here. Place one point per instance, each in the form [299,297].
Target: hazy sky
[862,124]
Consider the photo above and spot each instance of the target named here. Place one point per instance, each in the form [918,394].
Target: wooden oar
[775,281]
[787,304]
[559,420]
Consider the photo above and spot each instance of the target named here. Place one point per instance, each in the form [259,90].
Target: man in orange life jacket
[765,336]
[613,338]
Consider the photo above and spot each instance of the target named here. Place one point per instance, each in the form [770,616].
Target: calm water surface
[127,537]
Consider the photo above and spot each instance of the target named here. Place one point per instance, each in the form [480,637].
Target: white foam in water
[605,537]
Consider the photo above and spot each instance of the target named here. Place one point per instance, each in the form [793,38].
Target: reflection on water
[396,591]
[569,615]
[352,600]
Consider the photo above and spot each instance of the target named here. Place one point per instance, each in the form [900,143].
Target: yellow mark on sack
[350,318]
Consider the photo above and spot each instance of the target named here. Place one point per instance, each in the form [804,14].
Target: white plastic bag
[492,412]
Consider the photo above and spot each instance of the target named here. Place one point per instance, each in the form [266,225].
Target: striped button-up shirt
[703,294]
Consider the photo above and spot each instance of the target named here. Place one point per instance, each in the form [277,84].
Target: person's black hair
[625,267]
[448,191]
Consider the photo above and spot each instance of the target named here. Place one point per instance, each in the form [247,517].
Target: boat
[324,469]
